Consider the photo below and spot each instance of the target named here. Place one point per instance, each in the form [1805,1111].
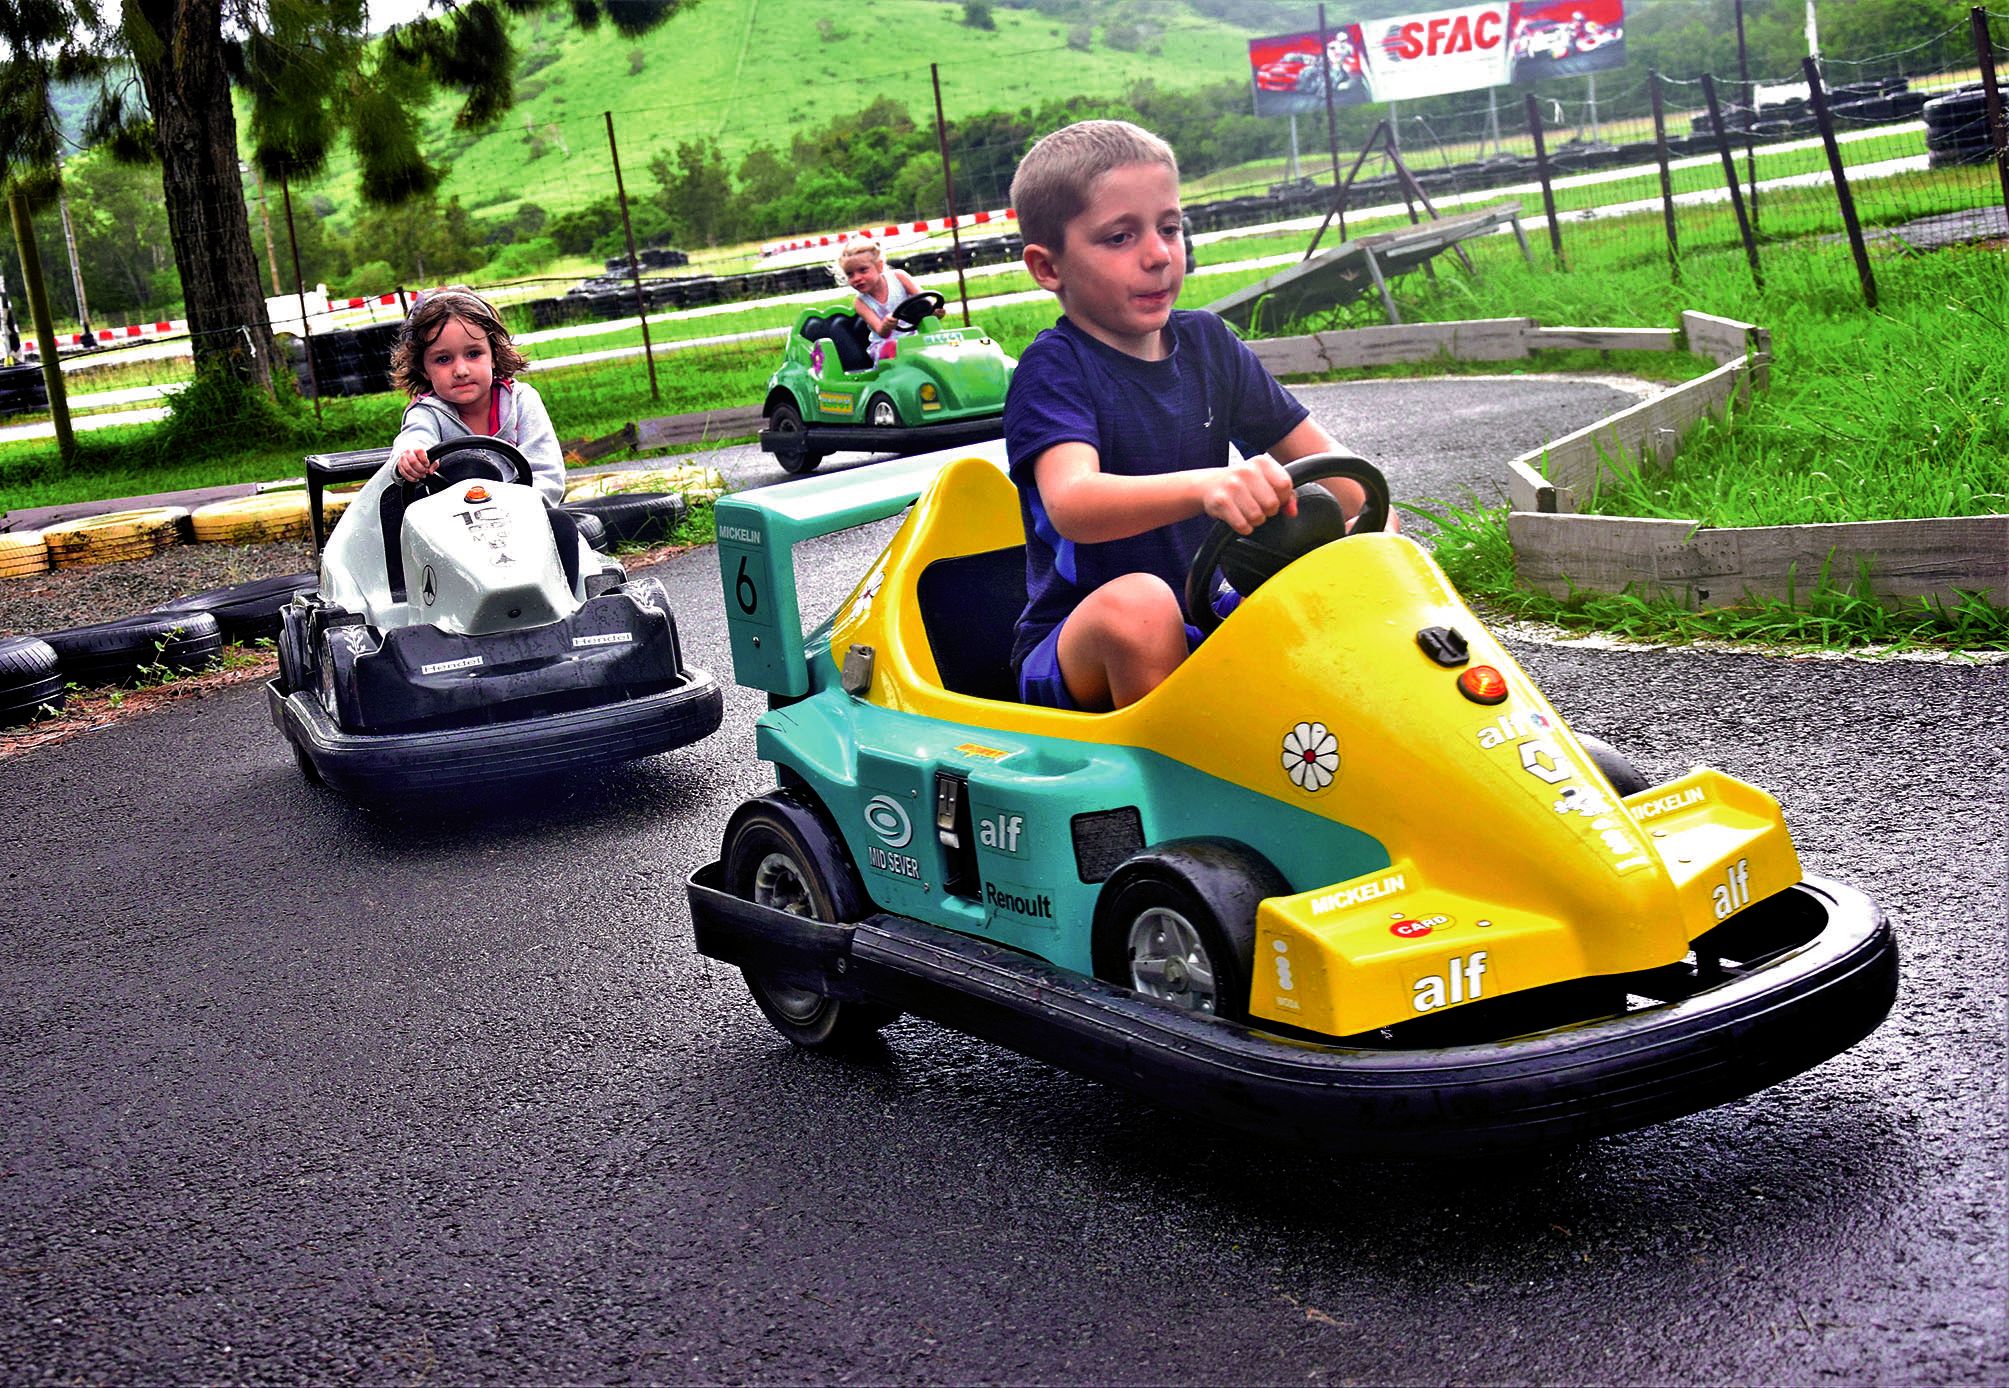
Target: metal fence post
[1984,53]
[1819,98]
[1548,189]
[1666,176]
[634,264]
[1730,178]
[949,188]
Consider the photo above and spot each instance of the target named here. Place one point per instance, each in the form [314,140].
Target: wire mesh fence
[737,214]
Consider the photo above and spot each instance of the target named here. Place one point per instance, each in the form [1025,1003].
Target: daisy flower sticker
[1311,757]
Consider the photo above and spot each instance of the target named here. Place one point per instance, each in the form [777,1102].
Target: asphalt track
[292,1090]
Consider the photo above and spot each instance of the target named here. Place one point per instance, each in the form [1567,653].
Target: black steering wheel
[466,459]
[909,312]
[1247,561]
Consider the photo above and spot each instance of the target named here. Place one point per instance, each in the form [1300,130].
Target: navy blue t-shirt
[1142,418]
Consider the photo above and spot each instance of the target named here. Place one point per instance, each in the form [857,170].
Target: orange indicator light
[477,493]
[1482,684]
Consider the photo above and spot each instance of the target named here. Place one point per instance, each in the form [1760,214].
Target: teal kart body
[934,387]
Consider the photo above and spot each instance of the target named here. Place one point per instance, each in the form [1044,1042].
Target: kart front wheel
[883,414]
[779,855]
[791,443]
[1177,923]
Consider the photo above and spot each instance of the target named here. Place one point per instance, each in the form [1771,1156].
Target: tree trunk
[189,92]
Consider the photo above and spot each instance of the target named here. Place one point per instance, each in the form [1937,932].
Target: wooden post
[45,324]
[1666,176]
[1730,177]
[1542,172]
[300,290]
[634,264]
[1984,53]
[1847,200]
[949,187]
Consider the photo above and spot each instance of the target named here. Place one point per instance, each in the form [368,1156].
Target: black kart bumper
[1724,1041]
[457,760]
[861,438]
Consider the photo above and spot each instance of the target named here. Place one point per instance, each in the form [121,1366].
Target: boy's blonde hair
[1051,187]
[862,245]
[429,315]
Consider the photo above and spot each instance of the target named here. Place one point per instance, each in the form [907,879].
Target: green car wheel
[788,862]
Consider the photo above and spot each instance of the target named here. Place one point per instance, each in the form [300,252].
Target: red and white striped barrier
[838,238]
[374,301]
[108,337]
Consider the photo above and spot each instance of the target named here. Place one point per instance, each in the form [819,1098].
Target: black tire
[780,852]
[120,651]
[296,650]
[791,450]
[590,528]
[31,679]
[247,611]
[882,413]
[1617,767]
[633,517]
[1178,923]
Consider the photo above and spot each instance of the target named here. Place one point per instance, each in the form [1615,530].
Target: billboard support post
[1548,189]
[1666,175]
[1847,200]
[1730,178]
[1331,118]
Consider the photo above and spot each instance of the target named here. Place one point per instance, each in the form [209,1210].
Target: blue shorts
[1039,678]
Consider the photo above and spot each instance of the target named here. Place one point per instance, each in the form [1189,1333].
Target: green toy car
[1345,877]
[933,388]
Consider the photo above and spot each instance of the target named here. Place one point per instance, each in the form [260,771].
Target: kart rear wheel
[882,413]
[791,446]
[790,862]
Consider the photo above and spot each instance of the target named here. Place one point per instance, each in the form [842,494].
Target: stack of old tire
[353,361]
[23,389]
[1956,128]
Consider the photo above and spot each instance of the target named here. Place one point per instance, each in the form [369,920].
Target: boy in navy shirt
[1118,422]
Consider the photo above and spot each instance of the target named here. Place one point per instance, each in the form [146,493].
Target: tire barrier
[633,517]
[22,553]
[349,362]
[22,389]
[693,481]
[115,536]
[122,651]
[31,680]
[253,519]
[1956,129]
[246,612]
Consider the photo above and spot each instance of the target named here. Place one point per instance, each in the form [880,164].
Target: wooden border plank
[1604,339]
[698,427]
[1722,339]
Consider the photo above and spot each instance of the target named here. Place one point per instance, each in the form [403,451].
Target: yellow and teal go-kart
[1346,877]
[931,387]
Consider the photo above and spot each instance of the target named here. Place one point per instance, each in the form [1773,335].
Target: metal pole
[300,289]
[1819,99]
[1542,172]
[1331,117]
[1666,176]
[70,244]
[1751,114]
[949,187]
[265,221]
[1590,97]
[1984,53]
[634,265]
[1730,178]
[45,325]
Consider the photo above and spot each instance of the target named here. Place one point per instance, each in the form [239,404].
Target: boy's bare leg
[1121,642]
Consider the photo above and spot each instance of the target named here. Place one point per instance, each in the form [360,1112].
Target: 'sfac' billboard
[1418,55]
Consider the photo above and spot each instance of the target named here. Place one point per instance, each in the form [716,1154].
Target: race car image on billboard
[1287,72]
[1566,38]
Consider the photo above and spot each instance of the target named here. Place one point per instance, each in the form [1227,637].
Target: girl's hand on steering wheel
[413,464]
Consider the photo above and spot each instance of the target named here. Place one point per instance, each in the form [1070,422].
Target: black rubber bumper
[862,438]
[457,760]
[1532,1091]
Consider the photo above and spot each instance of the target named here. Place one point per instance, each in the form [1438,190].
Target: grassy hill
[748,72]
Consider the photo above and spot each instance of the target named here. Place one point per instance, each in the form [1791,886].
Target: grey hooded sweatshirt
[429,420]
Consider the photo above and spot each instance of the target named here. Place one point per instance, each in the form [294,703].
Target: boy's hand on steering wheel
[1248,492]
[413,464]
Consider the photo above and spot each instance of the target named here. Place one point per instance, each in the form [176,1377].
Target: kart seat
[846,332]
[970,606]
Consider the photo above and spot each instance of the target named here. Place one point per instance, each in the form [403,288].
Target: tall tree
[313,76]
